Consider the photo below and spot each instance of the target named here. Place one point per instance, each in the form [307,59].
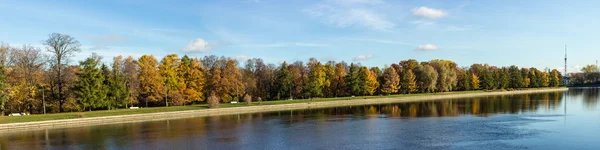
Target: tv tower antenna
[566,61]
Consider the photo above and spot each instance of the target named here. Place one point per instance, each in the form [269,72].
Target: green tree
[426,78]
[352,80]
[590,73]
[90,87]
[464,80]
[516,79]
[408,83]
[118,91]
[391,81]
[329,70]
[283,83]
[487,79]
[3,85]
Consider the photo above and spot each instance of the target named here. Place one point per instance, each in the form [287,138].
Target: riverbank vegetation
[36,81]
[589,76]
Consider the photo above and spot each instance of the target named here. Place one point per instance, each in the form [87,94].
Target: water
[527,121]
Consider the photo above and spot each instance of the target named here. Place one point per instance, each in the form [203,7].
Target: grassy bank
[58,116]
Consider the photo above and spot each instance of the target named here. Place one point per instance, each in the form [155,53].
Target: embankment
[12,127]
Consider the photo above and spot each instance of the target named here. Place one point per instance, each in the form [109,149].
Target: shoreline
[92,121]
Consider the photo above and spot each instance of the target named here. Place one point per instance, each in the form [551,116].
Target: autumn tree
[231,81]
[446,74]
[475,83]
[316,79]
[408,83]
[168,69]
[151,82]
[90,87]
[192,75]
[130,74]
[367,81]
[555,78]
[338,82]
[25,76]
[297,78]
[591,73]
[63,47]
[391,81]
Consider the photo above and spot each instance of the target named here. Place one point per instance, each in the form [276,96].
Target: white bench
[134,107]
[234,102]
[16,114]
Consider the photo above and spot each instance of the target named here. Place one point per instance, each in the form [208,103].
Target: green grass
[102,113]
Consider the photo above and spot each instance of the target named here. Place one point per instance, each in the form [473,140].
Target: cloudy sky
[373,32]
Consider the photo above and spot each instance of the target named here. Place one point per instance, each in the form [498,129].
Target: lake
[554,120]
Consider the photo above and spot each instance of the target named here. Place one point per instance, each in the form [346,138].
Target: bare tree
[27,68]
[63,47]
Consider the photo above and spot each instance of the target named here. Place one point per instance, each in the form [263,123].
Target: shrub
[213,101]
[248,99]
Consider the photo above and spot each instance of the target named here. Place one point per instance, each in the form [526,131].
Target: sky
[530,33]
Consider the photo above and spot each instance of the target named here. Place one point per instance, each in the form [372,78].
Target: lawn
[102,113]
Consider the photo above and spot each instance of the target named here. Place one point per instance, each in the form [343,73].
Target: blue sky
[373,32]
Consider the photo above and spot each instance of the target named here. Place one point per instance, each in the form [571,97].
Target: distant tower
[566,61]
[565,78]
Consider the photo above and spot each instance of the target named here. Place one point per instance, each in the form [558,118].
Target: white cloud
[373,40]
[288,44]
[241,58]
[362,57]
[353,13]
[99,47]
[430,13]
[199,45]
[427,47]
[107,38]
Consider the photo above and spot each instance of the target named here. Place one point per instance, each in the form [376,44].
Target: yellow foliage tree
[474,81]
[151,82]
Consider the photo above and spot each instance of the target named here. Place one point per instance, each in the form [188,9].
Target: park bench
[234,102]
[134,107]
[18,114]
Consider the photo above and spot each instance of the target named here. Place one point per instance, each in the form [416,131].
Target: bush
[248,99]
[213,101]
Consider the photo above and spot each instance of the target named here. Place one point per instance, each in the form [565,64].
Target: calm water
[529,121]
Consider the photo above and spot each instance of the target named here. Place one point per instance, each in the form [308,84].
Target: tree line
[589,75]
[31,80]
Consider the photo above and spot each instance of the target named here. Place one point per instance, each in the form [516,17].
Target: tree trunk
[60,87]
